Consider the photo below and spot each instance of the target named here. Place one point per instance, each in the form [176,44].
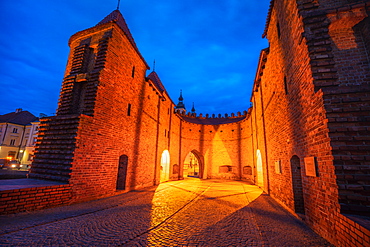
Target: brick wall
[338,52]
[29,199]
[308,105]
[219,146]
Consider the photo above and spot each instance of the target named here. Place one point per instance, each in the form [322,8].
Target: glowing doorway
[165,166]
[191,166]
[259,169]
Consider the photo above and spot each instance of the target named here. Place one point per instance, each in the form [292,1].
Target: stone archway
[260,182]
[193,165]
[165,166]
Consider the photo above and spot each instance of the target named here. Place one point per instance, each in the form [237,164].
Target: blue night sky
[207,48]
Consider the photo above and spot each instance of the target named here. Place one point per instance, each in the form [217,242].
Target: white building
[18,133]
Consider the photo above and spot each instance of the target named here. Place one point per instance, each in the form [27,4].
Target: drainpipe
[255,121]
[157,141]
[253,157]
[181,167]
[264,139]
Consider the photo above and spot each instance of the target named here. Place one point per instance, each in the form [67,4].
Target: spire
[181,98]
[180,107]
[193,109]
[154,65]
[119,1]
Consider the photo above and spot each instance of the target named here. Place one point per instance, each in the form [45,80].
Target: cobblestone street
[190,212]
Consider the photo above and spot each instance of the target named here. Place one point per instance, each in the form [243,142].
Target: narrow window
[12,142]
[15,130]
[88,60]
[133,72]
[278,29]
[285,85]
[129,110]
[165,133]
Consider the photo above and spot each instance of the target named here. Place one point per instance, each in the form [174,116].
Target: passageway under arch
[192,166]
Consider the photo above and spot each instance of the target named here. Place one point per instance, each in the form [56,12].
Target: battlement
[214,119]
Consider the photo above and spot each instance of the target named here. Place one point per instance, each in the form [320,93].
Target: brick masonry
[305,141]
[30,199]
[310,97]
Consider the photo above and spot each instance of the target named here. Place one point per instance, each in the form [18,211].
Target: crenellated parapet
[214,119]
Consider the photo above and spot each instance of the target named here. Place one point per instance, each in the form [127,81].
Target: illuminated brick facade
[305,141]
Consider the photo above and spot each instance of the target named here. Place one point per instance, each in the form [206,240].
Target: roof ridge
[156,80]
[117,17]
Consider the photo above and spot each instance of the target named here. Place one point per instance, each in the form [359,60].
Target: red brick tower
[97,125]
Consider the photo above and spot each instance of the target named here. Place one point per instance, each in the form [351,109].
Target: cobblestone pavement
[190,212]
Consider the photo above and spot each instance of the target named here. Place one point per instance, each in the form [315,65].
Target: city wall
[304,141]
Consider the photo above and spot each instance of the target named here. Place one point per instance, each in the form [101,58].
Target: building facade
[18,133]
[305,141]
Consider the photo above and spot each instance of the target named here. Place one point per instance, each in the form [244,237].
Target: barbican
[305,141]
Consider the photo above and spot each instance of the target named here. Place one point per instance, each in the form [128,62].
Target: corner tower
[96,127]
[93,53]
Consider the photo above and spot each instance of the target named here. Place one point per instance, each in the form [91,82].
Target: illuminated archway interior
[259,169]
[165,166]
[191,166]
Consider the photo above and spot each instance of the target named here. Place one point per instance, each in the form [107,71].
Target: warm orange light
[177,199]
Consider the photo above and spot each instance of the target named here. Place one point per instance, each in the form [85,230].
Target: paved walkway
[190,212]
[13,184]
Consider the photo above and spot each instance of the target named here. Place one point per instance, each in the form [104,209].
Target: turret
[180,107]
[193,109]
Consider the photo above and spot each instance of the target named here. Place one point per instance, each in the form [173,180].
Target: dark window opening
[286,85]
[278,29]
[88,60]
[133,72]
[129,110]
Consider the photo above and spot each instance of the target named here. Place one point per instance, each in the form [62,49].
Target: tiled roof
[117,17]
[212,121]
[21,118]
[153,76]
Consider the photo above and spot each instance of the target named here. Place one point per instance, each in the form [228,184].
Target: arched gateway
[165,166]
[193,165]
